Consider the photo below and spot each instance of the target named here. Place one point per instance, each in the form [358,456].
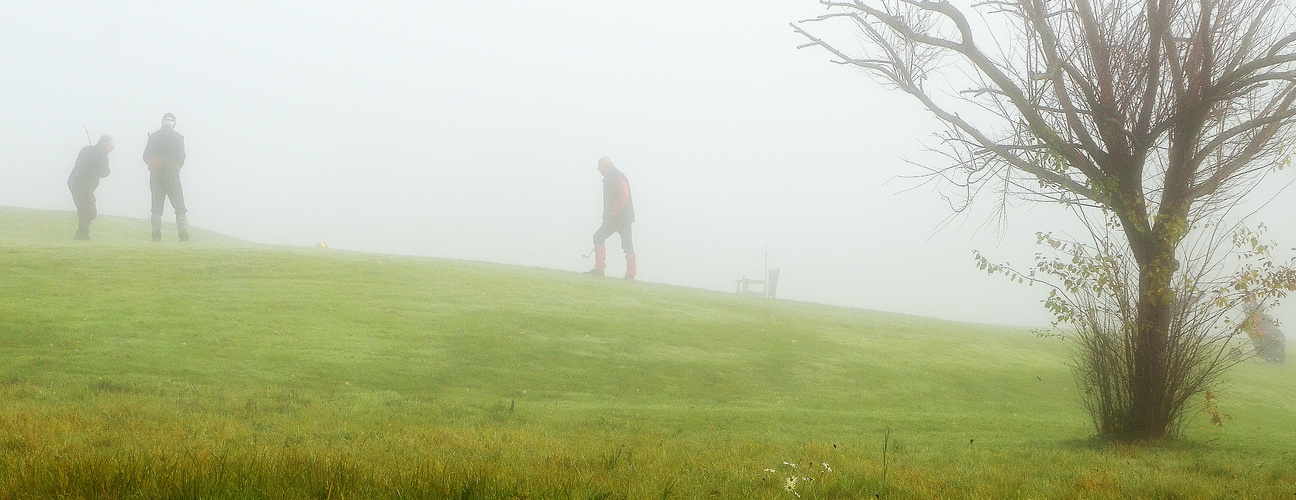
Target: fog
[471,130]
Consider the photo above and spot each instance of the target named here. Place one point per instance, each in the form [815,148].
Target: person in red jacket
[618,214]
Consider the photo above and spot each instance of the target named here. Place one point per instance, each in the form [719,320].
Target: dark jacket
[91,165]
[618,205]
[165,149]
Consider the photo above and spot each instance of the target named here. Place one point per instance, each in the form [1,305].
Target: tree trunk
[1150,412]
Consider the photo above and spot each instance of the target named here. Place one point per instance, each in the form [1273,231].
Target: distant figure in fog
[91,165]
[165,154]
[1267,340]
[618,214]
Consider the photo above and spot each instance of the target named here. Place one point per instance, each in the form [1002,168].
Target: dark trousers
[165,183]
[84,198]
[613,226]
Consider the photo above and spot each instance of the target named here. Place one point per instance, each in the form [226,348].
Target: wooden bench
[768,286]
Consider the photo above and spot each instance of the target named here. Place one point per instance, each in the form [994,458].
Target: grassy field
[224,369]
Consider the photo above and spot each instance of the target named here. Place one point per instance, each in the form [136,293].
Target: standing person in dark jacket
[91,165]
[618,214]
[165,154]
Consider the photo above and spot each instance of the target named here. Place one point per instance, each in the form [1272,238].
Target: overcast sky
[471,130]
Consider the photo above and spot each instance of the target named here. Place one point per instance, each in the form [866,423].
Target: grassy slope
[412,372]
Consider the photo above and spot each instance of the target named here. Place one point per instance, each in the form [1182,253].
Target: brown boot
[600,260]
[632,267]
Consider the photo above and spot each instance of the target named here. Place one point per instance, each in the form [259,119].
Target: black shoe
[594,272]
[81,237]
[184,236]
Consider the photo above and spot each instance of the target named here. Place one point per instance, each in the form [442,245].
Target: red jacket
[618,205]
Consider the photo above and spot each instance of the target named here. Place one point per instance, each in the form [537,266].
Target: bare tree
[1158,113]
[1225,279]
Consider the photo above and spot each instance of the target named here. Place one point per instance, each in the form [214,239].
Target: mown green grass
[222,369]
